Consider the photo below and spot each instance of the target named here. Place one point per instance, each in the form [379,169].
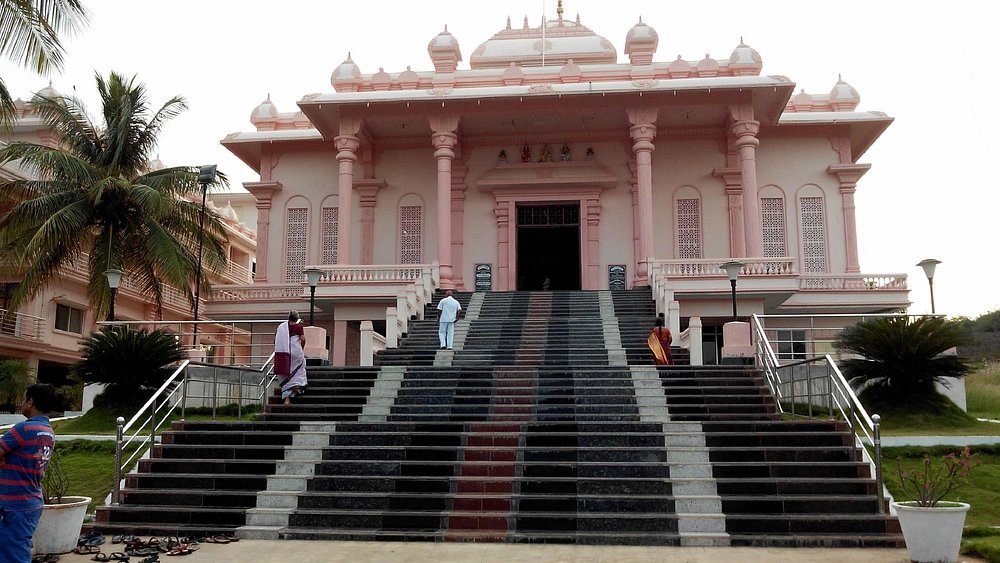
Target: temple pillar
[745,134]
[347,155]
[734,193]
[503,281]
[848,175]
[634,190]
[592,261]
[263,192]
[643,131]
[368,190]
[444,140]
[458,189]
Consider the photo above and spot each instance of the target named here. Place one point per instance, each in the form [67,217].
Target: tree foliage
[30,33]
[95,197]
[15,376]
[901,358]
[129,361]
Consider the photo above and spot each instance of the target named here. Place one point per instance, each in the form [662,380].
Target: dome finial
[508,22]
[446,28]
[559,9]
[640,19]
[525,21]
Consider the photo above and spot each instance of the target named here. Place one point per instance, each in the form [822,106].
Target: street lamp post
[928,265]
[313,275]
[732,269]
[206,175]
[114,276]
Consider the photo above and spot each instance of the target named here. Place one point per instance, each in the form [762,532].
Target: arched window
[331,216]
[772,220]
[813,232]
[688,220]
[411,230]
[296,242]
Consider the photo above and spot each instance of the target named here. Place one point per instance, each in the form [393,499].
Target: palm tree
[902,358]
[29,34]
[95,194]
[130,362]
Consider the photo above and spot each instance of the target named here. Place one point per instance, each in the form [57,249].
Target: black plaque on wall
[484,277]
[616,277]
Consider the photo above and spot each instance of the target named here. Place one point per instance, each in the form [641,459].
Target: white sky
[929,64]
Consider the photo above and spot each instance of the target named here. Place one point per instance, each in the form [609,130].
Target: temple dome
[564,40]
[745,60]
[156,164]
[346,77]
[444,51]
[228,212]
[640,43]
[844,97]
[48,92]
[266,111]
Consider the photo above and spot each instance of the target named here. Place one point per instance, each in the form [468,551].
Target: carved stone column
[458,189]
[444,140]
[263,192]
[849,174]
[347,155]
[734,193]
[592,261]
[745,134]
[502,213]
[368,189]
[643,131]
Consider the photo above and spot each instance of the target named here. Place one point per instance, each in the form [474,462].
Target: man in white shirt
[448,309]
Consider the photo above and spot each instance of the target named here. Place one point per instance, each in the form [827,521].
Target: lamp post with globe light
[929,265]
[206,175]
[313,275]
[732,269]
[114,276]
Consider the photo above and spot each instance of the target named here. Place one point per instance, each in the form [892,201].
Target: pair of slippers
[116,556]
[90,539]
[45,558]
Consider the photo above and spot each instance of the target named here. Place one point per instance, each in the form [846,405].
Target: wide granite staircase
[546,423]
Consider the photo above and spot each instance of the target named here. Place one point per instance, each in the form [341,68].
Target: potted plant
[62,516]
[932,527]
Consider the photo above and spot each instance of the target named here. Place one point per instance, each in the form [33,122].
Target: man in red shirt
[25,451]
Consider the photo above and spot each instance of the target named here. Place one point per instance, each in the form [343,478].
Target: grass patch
[89,466]
[982,390]
[939,418]
[982,542]
[101,421]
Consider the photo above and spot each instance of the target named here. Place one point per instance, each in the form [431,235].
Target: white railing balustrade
[256,292]
[389,273]
[711,267]
[876,282]
[19,325]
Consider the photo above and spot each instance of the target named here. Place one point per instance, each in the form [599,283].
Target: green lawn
[89,466]
[982,390]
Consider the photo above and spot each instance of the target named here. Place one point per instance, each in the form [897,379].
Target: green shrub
[901,358]
[130,362]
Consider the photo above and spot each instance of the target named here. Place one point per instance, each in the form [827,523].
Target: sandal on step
[87,549]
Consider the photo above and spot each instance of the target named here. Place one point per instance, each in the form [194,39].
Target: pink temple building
[538,160]
[547,159]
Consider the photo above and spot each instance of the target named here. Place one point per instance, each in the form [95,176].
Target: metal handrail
[838,394]
[161,399]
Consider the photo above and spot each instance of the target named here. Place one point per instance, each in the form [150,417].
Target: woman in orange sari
[659,343]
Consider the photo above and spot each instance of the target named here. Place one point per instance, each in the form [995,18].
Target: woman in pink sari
[659,343]
[289,359]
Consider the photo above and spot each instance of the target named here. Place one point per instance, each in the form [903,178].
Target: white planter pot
[59,527]
[932,534]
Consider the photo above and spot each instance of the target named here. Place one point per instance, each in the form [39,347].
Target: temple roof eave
[770,97]
[865,127]
[247,145]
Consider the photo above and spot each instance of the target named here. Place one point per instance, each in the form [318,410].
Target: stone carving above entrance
[548,174]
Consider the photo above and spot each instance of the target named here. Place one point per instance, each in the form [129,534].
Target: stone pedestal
[316,343]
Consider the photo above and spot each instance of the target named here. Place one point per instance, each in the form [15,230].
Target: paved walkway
[377,552]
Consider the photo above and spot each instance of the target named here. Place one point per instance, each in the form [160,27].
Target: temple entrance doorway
[548,247]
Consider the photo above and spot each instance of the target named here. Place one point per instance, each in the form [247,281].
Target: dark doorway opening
[548,247]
